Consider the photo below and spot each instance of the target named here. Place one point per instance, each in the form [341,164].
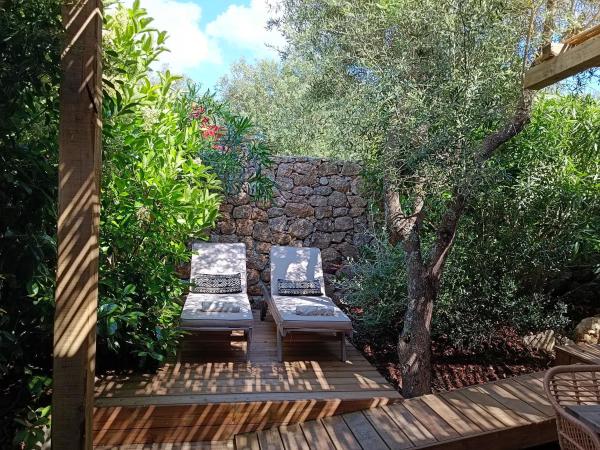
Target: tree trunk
[414,344]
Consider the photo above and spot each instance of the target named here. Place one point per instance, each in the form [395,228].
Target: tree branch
[449,222]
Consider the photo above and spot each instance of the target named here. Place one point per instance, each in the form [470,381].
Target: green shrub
[535,217]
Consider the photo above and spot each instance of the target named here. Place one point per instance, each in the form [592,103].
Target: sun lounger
[318,313]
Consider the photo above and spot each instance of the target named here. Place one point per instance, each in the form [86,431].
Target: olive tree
[445,77]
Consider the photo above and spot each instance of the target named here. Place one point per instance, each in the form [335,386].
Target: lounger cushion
[193,316]
[284,312]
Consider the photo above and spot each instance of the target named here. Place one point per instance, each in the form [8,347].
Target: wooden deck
[508,414]
[577,354]
[212,393]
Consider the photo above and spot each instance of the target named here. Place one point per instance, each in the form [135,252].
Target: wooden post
[78,221]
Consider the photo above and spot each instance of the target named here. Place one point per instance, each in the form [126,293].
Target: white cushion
[217,258]
[193,316]
[296,264]
[283,309]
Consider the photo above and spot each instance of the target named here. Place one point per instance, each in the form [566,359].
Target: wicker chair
[573,385]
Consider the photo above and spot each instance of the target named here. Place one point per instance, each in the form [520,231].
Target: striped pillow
[208,283]
[303,287]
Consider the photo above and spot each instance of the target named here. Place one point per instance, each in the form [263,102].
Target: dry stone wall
[316,203]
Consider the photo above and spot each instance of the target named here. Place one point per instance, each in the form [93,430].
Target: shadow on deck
[211,393]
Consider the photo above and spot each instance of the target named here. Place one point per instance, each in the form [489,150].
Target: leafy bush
[535,217]
[157,191]
[30,34]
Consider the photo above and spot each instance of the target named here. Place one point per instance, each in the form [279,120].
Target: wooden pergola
[79,206]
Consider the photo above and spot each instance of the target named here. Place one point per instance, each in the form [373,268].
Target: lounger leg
[342,346]
[248,343]
[279,346]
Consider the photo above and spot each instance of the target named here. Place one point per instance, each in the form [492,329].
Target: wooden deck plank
[364,432]
[293,438]
[414,430]
[493,407]
[537,401]
[270,439]
[512,402]
[454,417]
[247,441]
[476,414]
[440,429]
[227,445]
[389,431]
[340,434]
[317,436]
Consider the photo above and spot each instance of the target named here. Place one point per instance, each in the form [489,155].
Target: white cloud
[246,27]
[188,44]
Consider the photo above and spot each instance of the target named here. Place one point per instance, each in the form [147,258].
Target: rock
[265,276]
[262,232]
[328,168]
[331,255]
[355,212]
[344,223]
[301,228]
[351,169]
[356,201]
[254,289]
[588,330]
[257,262]
[356,186]
[226,227]
[275,212]
[240,199]
[317,200]
[279,202]
[305,180]
[280,238]
[323,181]
[302,190]
[338,236]
[278,223]
[244,227]
[298,210]
[338,212]
[322,212]
[284,170]
[323,190]
[339,183]
[326,225]
[303,168]
[320,240]
[337,199]
[263,247]
[225,208]
[242,212]
[259,215]
[227,239]
[347,250]
[284,183]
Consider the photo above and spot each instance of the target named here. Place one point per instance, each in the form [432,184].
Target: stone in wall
[316,203]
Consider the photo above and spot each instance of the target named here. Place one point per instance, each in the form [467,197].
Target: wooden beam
[570,62]
[78,221]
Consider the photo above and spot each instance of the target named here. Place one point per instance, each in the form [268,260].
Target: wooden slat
[440,429]
[474,412]
[533,398]
[414,430]
[247,441]
[293,438]
[572,61]
[340,434]
[316,436]
[493,407]
[389,430]
[364,432]
[74,346]
[513,403]
[270,439]
[454,417]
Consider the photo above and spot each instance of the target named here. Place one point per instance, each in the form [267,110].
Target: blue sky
[207,36]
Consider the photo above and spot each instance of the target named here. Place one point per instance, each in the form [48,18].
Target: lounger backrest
[213,258]
[296,263]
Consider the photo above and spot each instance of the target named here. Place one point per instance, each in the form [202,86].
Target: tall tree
[445,79]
